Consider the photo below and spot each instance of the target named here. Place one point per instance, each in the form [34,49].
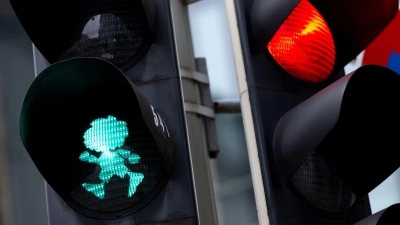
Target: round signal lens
[304,45]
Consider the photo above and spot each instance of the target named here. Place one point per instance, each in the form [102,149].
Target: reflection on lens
[107,36]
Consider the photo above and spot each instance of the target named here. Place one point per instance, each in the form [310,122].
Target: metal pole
[247,116]
[195,123]
[5,201]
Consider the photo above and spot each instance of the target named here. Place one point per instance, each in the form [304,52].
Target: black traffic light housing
[86,106]
[334,137]
[297,119]
[384,217]
[60,30]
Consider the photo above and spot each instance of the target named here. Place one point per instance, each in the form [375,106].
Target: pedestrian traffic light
[95,138]
[323,139]
[104,122]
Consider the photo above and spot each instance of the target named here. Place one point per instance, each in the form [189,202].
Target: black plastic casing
[155,72]
[273,92]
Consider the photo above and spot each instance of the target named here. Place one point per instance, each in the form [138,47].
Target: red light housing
[304,45]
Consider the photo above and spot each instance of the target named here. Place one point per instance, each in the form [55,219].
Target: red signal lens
[303,45]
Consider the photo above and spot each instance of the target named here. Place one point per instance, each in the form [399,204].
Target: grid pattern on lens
[105,29]
[317,182]
[145,163]
[304,45]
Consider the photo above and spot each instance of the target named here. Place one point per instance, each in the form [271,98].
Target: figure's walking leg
[134,180]
[96,189]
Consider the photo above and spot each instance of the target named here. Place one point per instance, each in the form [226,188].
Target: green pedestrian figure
[105,136]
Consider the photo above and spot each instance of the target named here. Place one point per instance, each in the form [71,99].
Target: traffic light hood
[347,132]
[386,216]
[119,31]
[95,138]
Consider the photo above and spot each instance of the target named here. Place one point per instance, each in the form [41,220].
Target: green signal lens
[105,136]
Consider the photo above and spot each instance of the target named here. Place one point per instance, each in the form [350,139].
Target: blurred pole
[5,201]
[195,123]
[247,115]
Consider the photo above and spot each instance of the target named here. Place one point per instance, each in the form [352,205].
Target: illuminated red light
[303,45]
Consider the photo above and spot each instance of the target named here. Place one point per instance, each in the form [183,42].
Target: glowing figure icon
[105,136]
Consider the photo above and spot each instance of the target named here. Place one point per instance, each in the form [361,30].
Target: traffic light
[95,138]
[324,140]
[104,122]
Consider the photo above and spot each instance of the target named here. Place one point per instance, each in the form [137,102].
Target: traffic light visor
[119,31]
[303,45]
[338,145]
[95,138]
[386,216]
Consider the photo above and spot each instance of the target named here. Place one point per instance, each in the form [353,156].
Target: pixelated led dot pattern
[304,45]
[124,162]
[105,136]
[113,32]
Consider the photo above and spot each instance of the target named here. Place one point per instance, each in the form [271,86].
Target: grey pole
[195,123]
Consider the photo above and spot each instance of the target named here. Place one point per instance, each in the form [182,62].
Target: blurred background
[22,193]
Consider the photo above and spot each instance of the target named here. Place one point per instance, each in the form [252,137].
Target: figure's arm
[86,156]
[132,157]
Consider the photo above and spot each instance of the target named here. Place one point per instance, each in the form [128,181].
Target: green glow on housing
[105,136]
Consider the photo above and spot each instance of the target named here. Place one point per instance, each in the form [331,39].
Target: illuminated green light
[105,136]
